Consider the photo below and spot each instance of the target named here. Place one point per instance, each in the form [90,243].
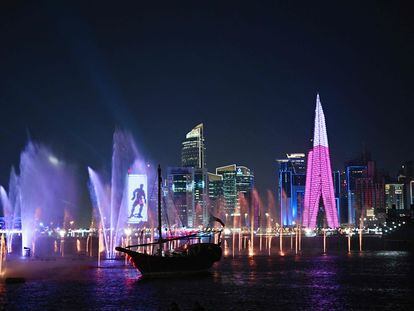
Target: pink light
[319,181]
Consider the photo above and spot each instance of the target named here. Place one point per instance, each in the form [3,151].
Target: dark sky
[69,75]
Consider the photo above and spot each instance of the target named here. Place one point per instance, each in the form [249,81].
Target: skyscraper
[180,183]
[215,192]
[291,187]
[364,190]
[406,176]
[337,190]
[319,182]
[394,197]
[193,150]
[370,193]
[193,155]
[353,173]
[228,173]
[236,180]
[200,195]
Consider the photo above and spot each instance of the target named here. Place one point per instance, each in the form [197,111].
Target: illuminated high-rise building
[193,150]
[319,183]
[193,155]
[353,174]
[180,183]
[228,174]
[365,197]
[406,176]
[200,194]
[215,193]
[235,180]
[291,187]
[394,196]
[336,175]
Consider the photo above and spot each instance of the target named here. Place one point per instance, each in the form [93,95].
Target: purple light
[319,176]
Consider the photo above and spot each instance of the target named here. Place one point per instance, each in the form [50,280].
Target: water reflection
[373,280]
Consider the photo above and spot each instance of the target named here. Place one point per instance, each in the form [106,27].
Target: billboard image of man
[138,198]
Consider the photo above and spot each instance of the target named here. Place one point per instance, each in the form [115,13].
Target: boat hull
[199,257]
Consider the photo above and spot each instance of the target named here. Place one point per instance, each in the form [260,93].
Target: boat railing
[197,237]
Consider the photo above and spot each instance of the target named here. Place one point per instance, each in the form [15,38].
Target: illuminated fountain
[8,212]
[296,240]
[271,210]
[110,199]
[361,226]
[101,246]
[3,254]
[11,207]
[251,248]
[281,233]
[43,192]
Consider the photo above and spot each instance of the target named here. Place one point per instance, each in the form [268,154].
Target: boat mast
[159,210]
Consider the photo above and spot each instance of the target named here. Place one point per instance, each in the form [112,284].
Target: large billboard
[137,198]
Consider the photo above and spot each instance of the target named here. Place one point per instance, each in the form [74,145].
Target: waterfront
[266,143]
[368,280]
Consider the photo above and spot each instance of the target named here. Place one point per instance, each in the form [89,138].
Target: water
[43,194]
[109,198]
[371,280]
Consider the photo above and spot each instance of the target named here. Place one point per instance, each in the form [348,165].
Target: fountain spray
[3,252]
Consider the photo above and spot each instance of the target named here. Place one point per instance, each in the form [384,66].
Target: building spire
[320,138]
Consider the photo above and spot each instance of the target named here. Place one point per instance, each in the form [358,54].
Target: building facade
[215,194]
[353,173]
[180,185]
[337,182]
[236,181]
[291,187]
[406,176]
[193,155]
[200,197]
[364,190]
[394,196]
[193,149]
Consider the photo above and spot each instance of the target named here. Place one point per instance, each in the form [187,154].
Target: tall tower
[319,176]
[192,152]
[193,155]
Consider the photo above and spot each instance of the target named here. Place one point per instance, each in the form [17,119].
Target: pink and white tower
[319,181]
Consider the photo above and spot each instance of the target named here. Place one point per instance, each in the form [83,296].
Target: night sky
[70,75]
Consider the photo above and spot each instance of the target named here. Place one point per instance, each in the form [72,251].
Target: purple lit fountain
[110,198]
[42,193]
[11,207]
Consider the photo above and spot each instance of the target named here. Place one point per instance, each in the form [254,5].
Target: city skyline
[85,76]
[393,172]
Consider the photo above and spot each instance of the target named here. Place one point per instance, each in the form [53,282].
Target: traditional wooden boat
[197,251]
